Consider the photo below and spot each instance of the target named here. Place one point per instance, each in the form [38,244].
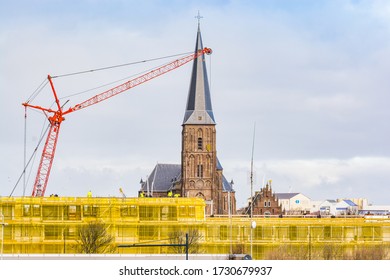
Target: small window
[36,210]
[200,143]
[223,232]
[26,210]
[265,203]
[90,210]
[269,203]
[129,211]
[72,210]
[191,211]
[183,211]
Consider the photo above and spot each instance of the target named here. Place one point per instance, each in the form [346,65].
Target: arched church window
[200,143]
[200,139]
[208,166]
[199,172]
[192,166]
[199,194]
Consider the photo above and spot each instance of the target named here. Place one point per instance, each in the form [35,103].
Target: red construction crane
[56,117]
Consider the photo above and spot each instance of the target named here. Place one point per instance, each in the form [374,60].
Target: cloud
[318,179]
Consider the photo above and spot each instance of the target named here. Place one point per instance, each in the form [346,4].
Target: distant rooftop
[285,195]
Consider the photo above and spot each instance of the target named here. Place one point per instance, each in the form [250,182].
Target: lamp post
[3,224]
[253,226]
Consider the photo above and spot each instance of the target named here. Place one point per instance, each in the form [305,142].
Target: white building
[375,210]
[294,203]
[315,206]
[338,208]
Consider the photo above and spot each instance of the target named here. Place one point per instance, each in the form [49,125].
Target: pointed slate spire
[199,109]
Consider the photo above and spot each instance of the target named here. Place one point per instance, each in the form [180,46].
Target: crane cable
[117,66]
[43,84]
[43,133]
[31,158]
[38,90]
[120,80]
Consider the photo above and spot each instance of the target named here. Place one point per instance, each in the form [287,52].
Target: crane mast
[57,116]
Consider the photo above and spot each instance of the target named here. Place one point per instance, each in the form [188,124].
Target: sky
[306,82]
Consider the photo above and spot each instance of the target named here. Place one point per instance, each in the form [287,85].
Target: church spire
[199,109]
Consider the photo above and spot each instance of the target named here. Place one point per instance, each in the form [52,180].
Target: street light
[253,226]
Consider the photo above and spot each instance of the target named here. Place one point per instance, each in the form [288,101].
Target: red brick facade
[265,202]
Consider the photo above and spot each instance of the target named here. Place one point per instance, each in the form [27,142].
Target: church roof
[219,165]
[164,175]
[227,187]
[199,109]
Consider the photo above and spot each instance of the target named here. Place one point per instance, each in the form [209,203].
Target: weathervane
[198,17]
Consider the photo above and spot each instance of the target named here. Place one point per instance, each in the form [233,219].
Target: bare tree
[376,252]
[95,239]
[179,237]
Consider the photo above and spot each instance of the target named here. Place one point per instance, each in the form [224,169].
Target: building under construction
[51,225]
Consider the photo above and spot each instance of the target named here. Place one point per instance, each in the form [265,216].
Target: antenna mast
[253,224]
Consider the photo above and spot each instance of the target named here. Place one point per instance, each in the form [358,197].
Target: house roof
[350,202]
[285,195]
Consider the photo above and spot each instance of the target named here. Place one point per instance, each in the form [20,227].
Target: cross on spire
[198,17]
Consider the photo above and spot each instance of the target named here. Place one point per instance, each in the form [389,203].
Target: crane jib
[48,152]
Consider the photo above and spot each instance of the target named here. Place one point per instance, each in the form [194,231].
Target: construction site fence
[53,225]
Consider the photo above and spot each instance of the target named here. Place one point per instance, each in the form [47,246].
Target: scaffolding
[51,225]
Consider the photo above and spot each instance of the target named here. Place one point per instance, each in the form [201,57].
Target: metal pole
[3,224]
[230,221]
[309,243]
[186,246]
[64,233]
[2,235]
[251,213]
[230,217]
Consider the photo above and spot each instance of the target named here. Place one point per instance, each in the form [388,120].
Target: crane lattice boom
[57,116]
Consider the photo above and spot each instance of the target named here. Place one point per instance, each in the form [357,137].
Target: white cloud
[317,178]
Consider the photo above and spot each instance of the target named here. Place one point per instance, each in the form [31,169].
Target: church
[200,173]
